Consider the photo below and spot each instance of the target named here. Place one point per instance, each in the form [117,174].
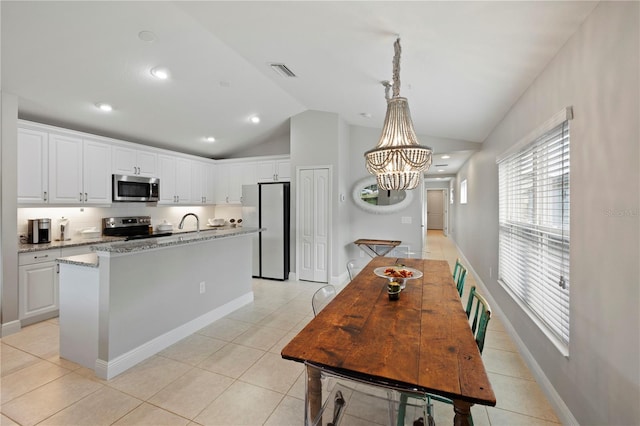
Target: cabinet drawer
[38,257]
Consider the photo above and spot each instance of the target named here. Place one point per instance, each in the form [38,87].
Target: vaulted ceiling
[463,66]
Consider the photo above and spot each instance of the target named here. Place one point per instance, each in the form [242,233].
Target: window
[463,192]
[533,242]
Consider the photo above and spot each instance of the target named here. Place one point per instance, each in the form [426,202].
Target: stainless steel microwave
[135,188]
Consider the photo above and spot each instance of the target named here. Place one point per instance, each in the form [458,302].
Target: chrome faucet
[190,214]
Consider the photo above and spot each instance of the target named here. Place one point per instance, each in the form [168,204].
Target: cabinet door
[33,162]
[124,160]
[235,183]
[65,169]
[38,290]
[183,180]
[197,183]
[97,172]
[167,172]
[283,170]
[222,184]
[129,161]
[265,171]
[210,186]
[147,163]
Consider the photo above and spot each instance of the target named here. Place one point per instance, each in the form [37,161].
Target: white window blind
[534,229]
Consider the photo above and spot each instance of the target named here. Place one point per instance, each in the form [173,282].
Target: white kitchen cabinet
[210,183]
[229,183]
[175,180]
[33,166]
[129,161]
[273,171]
[65,169]
[202,183]
[79,170]
[38,285]
[96,173]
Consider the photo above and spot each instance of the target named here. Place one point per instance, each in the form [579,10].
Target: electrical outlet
[202,287]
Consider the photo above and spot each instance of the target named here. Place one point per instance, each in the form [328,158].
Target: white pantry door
[313,230]
[435,209]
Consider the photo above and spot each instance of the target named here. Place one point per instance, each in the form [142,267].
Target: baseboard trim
[10,327]
[564,414]
[109,369]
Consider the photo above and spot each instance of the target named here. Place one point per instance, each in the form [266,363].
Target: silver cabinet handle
[81,197]
[85,197]
[178,198]
[45,196]
[41,257]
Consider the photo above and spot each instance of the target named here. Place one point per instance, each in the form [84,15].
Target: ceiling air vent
[441,165]
[282,69]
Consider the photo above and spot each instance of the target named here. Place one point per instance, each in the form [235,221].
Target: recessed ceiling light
[255,119]
[440,170]
[104,107]
[210,139]
[365,114]
[147,36]
[160,73]
[444,157]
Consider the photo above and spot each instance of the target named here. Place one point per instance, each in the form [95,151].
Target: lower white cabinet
[38,285]
[38,289]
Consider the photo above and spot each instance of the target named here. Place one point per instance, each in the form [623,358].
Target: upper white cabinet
[65,169]
[129,161]
[79,170]
[273,170]
[33,166]
[175,180]
[203,181]
[96,176]
[231,177]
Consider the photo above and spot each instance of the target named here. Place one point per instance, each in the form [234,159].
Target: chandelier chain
[396,67]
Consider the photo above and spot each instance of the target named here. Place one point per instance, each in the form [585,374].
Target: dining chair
[479,313]
[353,268]
[462,275]
[456,269]
[369,402]
[322,297]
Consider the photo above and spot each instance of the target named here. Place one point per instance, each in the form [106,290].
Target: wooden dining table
[421,341]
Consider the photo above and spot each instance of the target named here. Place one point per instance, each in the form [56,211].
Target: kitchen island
[130,300]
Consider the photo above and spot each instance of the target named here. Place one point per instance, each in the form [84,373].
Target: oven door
[135,188]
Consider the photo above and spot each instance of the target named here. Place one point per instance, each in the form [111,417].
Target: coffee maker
[39,231]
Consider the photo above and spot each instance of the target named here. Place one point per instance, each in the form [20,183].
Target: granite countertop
[90,260]
[27,248]
[172,240]
[75,242]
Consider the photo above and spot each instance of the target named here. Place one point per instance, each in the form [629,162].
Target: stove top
[128,226]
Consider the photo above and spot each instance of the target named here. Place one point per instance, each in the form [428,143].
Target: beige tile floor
[228,373]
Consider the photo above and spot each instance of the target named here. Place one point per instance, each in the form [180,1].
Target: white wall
[8,199]
[597,73]
[362,224]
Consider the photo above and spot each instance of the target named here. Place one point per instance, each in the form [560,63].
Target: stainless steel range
[132,227]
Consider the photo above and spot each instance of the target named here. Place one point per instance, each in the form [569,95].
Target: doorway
[437,210]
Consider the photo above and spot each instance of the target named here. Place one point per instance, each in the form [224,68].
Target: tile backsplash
[81,218]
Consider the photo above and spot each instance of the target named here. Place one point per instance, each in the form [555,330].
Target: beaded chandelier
[398,161]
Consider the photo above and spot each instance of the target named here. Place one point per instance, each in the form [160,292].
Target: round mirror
[368,197]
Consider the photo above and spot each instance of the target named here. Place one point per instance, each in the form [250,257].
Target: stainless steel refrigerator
[266,205]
